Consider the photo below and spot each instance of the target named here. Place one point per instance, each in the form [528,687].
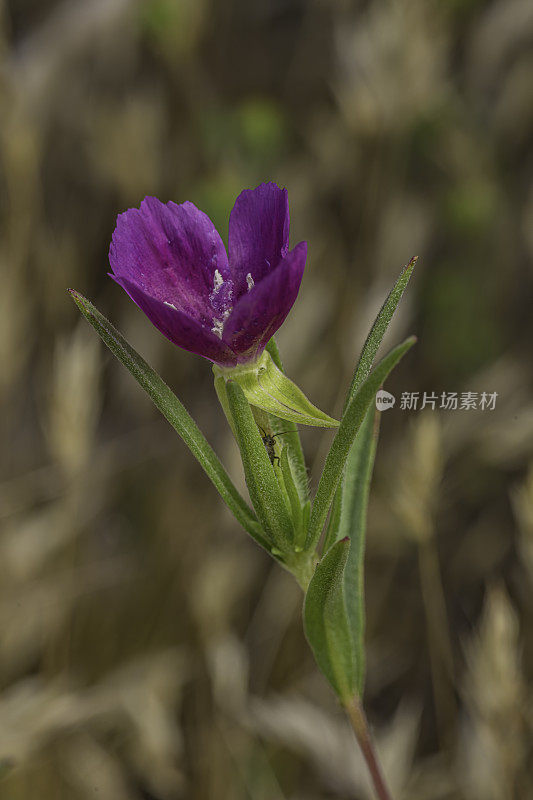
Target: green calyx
[265,386]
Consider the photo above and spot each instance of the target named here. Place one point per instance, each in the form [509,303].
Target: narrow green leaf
[302,535]
[266,387]
[340,447]
[292,437]
[358,464]
[171,408]
[326,622]
[348,512]
[378,330]
[267,424]
[355,491]
[290,486]
[334,519]
[265,493]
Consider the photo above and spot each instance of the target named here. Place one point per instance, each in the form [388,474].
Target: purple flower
[173,264]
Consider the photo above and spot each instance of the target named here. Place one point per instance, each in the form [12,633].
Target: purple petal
[258,314]
[258,234]
[171,252]
[178,327]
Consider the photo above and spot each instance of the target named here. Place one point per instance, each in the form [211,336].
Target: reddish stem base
[359,722]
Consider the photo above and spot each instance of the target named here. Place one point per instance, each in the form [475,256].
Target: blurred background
[148,649]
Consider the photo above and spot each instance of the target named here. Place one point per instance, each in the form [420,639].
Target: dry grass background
[147,649]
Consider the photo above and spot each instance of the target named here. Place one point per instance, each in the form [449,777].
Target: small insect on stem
[269,441]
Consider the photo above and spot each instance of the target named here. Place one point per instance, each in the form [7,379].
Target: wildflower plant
[226,307]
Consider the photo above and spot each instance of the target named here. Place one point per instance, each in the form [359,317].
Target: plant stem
[302,566]
[359,722]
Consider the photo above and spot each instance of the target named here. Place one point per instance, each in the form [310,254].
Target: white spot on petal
[250,281]
[170,305]
[218,328]
[218,280]
[218,324]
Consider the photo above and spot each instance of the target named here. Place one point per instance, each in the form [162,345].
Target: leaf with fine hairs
[267,498]
[351,522]
[345,436]
[379,329]
[171,408]
[326,622]
[348,513]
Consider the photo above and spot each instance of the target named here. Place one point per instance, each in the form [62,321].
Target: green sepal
[171,408]
[267,387]
[222,394]
[266,495]
[291,437]
[326,622]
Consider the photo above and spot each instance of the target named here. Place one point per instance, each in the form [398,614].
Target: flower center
[220,299]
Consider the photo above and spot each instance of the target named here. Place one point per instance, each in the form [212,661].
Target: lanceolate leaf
[348,513]
[326,622]
[358,465]
[379,329]
[364,365]
[171,408]
[340,447]
[355,491]
[292,492]
[265,493]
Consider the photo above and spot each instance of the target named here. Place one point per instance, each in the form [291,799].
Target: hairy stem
[359,722]
[302,566]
